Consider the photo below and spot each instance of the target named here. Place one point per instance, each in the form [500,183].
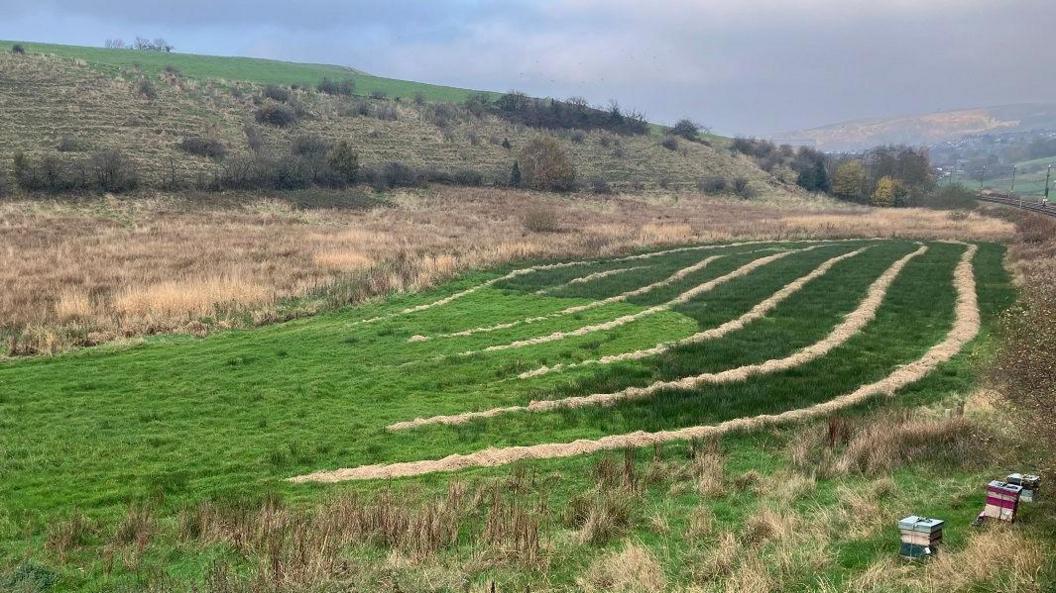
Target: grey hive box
[919,536]
[1030,484]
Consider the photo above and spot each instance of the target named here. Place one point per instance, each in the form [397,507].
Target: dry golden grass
[633,569]
[191,297]
[91,271]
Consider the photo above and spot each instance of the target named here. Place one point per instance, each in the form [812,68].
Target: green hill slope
[92,99]
[255,70]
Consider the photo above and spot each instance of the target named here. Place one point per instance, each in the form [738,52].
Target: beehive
[919,536]
[1030,484]
[1002,500]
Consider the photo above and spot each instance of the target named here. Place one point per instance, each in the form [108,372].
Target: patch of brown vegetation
[64,264]
[1025,368]
[634,569]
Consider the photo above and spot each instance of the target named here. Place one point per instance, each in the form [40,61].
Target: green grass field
[235,69]
[166,425]
[1030,178]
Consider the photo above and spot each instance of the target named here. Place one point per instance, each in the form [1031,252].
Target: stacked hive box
[1002,500]
[1030,484]
[919,536]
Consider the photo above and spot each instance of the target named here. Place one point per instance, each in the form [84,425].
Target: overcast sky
[740,66]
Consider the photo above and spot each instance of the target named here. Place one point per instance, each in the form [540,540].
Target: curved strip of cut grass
[965,328]
[588,278]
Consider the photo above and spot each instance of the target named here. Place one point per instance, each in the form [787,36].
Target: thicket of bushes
[884,176]
[554,114]
[336,87]
[811,167]
[107,170]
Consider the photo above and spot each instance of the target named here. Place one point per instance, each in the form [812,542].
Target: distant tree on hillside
[158,44]
[114,43]
[811,167]
[18,50]
[344,162]
[849,181]
[886,192]
[545,165]
[687,129]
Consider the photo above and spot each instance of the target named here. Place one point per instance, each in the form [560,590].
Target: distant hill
[928,128]
[72,101]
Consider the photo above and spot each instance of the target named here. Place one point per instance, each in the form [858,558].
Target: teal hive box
[915,523]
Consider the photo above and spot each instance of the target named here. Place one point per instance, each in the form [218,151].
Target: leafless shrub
[670,143]
[145,87]
[600,186]
[279,116]
[545,165]
[114,172]
[276,93]
[201,146]
[714,184]
[743,188]
[309,145]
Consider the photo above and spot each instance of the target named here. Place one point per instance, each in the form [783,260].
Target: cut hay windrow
[588,278]
[619,298]
[757,312]
[681,299]
[965,328]
[547,267]
[852,324]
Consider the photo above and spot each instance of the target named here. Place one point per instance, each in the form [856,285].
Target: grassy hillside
[165,465]
[239,69]
[56,97]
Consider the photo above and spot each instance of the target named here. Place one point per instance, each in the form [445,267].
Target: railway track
[1031,204]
